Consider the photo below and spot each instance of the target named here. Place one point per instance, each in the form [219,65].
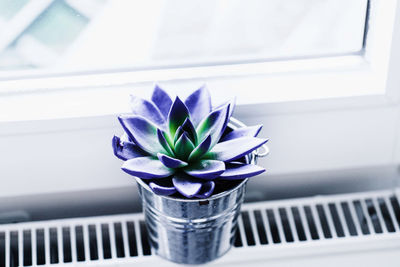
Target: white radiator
[361,229]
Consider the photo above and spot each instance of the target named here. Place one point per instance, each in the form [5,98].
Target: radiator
[359,229]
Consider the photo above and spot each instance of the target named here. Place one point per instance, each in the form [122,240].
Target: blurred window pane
[8,8]
[90,35]
[57,27]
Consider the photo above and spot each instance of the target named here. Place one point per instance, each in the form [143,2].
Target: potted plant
[191,163]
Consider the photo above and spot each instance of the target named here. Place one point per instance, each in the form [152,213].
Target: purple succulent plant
[184,147]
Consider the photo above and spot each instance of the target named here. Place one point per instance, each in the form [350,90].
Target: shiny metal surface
[192,231]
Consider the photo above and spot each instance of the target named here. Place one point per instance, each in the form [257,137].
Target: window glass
[93,35]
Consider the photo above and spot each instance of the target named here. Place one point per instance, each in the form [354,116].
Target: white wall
[75,154]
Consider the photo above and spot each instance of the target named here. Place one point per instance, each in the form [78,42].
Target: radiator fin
[262,224]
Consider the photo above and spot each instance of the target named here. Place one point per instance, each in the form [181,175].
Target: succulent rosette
[184,147]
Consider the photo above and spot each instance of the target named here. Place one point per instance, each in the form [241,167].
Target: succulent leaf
[206,169]
[162,100]
[183,147]
[242,132]
[214,125]
[201,149]
[186,185]
[127,150]
[188,127]
[238,171]
[206,190]
[163,140]
[232,104]
[147,110]
[199,104]
[235,148]
[142,132]
[146,168]
[171,162]
[178,134]
[163,187]
[177,115]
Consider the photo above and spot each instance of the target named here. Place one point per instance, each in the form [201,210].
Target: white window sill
[108,94]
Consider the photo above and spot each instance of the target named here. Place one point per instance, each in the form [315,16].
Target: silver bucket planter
[193,231]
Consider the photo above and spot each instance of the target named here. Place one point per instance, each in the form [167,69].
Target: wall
[75,154]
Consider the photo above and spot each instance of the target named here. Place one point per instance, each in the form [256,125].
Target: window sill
[254,85]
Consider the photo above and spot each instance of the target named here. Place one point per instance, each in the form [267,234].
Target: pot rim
[219,195]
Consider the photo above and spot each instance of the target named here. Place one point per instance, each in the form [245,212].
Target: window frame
[360,75]
[65,123]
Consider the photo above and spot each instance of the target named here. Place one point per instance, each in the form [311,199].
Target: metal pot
[193,231]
